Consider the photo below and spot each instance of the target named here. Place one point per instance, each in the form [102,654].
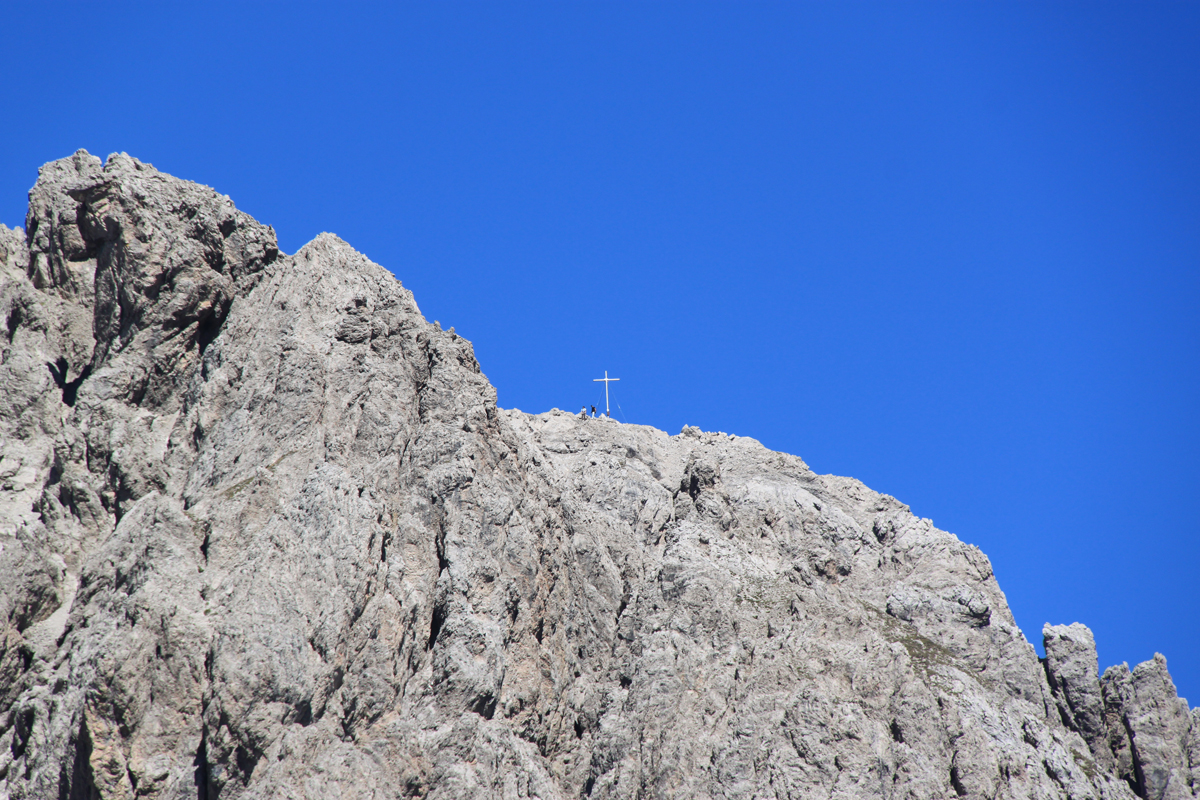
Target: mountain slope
[266,534]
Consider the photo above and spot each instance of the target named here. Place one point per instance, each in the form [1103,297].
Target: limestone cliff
[264,533]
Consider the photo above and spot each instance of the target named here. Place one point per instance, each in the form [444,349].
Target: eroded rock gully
[265,534]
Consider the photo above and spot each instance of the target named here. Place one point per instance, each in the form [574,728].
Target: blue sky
[952,250]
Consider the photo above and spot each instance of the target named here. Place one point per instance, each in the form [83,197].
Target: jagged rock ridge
[265,534]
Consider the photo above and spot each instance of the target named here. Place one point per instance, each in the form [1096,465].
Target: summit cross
[606,380]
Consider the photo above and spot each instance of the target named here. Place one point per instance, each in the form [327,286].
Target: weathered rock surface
[265,534]
[1071,668]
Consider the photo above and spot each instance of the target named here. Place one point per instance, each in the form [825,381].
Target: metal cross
[606,379]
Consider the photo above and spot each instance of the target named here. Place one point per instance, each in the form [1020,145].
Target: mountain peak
[267,534]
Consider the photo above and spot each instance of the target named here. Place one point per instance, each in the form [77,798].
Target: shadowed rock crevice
[209,325]
[13,321]
[201,775]
[70,388]
[82,783]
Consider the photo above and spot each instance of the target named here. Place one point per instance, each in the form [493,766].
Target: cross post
[606,380]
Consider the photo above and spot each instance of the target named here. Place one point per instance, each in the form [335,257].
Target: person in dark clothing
[593,411]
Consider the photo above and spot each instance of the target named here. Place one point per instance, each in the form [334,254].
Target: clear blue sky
[952,250]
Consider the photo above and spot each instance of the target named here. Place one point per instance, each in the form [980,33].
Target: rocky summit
[264,533]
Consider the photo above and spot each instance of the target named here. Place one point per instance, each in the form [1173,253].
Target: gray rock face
[1152,729]
[1071,669]
[267,535]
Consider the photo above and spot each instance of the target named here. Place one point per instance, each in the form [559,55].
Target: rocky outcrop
[1151,730]
[1134,722]
[266,534]
[1071,669]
